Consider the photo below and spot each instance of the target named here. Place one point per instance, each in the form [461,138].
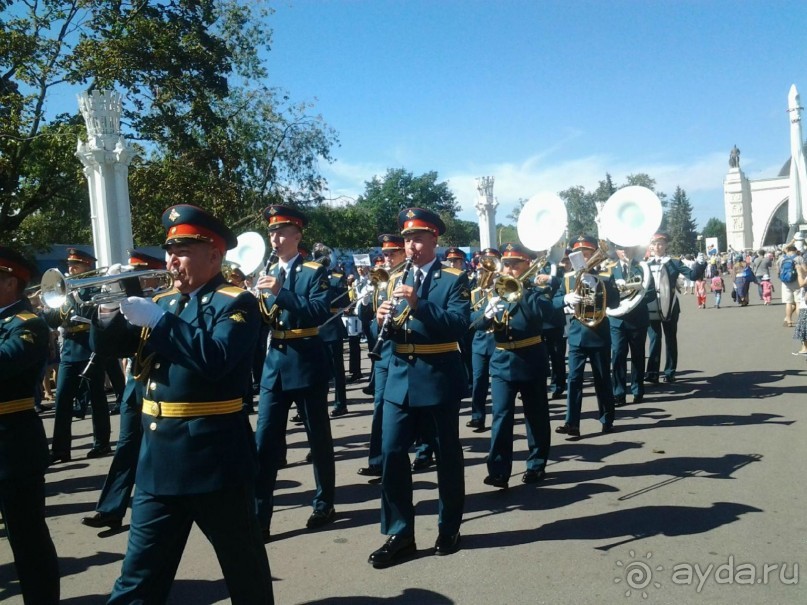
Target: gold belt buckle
[155,408]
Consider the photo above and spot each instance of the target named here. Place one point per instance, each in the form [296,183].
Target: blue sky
[545,95]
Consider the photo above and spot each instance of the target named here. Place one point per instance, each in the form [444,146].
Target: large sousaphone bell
[629,218]
[247,255]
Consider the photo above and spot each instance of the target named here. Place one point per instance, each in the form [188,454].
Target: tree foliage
[716,228]
[681,227]
[205,132]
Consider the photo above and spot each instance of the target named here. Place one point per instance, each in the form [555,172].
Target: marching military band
[434,329]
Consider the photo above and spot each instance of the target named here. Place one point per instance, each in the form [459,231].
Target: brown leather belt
[174,409]
[18,405]
[519,344]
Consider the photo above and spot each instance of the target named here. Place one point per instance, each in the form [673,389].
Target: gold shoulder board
[26,316]
[453,271]
[312,265]
[231,291]
[164,294]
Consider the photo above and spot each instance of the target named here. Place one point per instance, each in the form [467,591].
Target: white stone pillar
[486,211]
[797,201]
[737,199]
[106,159]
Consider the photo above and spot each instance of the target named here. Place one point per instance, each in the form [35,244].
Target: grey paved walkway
[701,487]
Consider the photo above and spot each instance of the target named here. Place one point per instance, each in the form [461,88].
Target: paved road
[701,487]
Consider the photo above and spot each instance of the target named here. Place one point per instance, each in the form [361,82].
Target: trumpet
[510,289]
[95,287]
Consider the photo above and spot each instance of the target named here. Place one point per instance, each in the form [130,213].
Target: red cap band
[16,270]
[280,219]
[419,225]
[187,231]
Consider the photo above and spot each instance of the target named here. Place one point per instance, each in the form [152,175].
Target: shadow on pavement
[413,596]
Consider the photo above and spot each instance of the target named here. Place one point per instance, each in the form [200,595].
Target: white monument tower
[797,200]
[737,201]
[486,211]
[106,159]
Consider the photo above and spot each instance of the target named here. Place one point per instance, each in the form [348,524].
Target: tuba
[629,218]
[247,255]
[590,311]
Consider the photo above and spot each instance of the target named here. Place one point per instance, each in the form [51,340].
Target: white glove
[492,307]
[589,280]
[141,311]
[572,298]
[114,269]
[620,282]
[701,258]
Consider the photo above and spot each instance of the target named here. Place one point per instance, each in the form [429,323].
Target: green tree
[716,228]
[680,226]
[385,197]
[581,210]
[206,134]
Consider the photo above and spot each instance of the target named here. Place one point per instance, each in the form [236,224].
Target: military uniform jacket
[441,317]
[204,354]
[556,318]
[335,331]
[23,352]
[674,267]
[524,320]
[639,317]
[367,313]
[304,303]
[76,336]
[581,335]
[483,343]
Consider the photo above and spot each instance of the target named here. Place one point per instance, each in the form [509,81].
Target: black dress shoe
[499,481]
[309,457]
[354,378]
[559,395]
[638,398]
[568,429]
[114,410]
[670,378]
[474,423]
[266,535]
[99,451]
[297,419]
[320,518]
[619,401]
[421,464]
[447,544]
[652,379]
[608,427]
[368,390]
[99,520]
[533,476]
[59,457]
[336,412]
[395,549]
[370,471]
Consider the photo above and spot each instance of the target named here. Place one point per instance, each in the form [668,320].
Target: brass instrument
[489,268]
[95,287]
[510,289]
[247,255]
[590,311]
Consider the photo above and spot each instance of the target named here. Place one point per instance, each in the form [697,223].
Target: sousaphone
[247,255]
[629,218]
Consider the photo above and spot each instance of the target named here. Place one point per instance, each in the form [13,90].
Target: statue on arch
[734,158]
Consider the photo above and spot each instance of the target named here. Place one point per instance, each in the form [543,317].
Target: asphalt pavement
[697,497]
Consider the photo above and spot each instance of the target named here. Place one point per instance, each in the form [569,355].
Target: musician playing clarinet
[425,381]
[295,301]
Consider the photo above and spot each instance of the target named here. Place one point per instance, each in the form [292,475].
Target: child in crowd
[700,291]
[717,289]
[800,333]
[767,289]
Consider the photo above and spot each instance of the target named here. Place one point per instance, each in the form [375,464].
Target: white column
[106,159]
[486,211]
[796,211]
[737,200]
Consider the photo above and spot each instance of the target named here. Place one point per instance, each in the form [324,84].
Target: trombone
[489,268]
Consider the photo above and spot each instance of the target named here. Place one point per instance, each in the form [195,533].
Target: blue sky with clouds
[545,95]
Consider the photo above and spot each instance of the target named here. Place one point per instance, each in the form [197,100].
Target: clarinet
[268,315]
[383,332]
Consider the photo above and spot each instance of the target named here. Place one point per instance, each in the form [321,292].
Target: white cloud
[701,178]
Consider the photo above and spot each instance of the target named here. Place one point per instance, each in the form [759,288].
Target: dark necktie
[418,280]
[281,276]
[625,270]
[182,302]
